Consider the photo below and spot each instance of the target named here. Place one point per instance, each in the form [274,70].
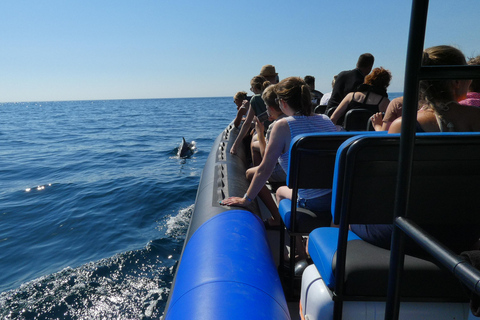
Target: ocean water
[95,203]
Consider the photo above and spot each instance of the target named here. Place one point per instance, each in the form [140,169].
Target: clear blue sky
[118,49]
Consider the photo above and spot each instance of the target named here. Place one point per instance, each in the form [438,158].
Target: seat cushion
[306,221]
[322,247]
[367,266]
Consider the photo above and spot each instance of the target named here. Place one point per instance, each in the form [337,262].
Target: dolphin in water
[186,149]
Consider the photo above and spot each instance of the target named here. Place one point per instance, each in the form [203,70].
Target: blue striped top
[301,125]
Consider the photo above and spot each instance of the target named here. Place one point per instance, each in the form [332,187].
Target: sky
[116,49]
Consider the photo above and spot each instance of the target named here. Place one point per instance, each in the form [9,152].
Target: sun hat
[268,71]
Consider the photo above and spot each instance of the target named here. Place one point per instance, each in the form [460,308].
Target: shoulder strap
[366,98]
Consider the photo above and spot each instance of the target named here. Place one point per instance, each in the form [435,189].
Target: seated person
[382,122]
[268,72]
[371,95]
[316,95]
[274,114]
[240,100]
[295,101]
[255,107]
[326,96]
[439,112]
[278,175]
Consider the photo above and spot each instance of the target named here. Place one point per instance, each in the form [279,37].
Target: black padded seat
[366,274]
[357,119]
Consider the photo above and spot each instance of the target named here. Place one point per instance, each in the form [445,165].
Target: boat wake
[177,225]
[129,285]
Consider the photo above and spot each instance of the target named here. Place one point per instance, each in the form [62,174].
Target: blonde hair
[270,97]
[437,94]
[240,95]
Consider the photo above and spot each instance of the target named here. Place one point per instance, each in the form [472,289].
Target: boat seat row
[357,119]
[311,166]
[348,270]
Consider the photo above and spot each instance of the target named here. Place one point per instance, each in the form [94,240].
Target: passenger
[269,73]
[440,111]
[326,96]
[372,95]
[295,101]
[394,110]
[274,114]
[439,100]
[278,175]
[348,81]
[256,106]
[473,94]
[240,100]
[316,95]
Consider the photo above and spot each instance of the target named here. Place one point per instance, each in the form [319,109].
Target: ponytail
[296,93]
[265,85]
[305,100]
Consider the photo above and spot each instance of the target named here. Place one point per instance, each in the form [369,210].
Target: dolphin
[186,149]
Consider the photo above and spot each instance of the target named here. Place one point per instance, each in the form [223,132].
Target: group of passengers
[444,105]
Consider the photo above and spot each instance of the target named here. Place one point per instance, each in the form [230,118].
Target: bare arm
[260,128]
[244,130]
[341,109]
[278,144]
[396,126]
[240,113]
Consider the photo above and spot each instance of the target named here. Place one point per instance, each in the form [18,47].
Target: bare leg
[267,199]
[255,149]
[285,192]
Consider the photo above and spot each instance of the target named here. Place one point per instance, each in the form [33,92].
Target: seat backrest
[330,111]
[444,184]
[320,109]
[357,119]
[312,159]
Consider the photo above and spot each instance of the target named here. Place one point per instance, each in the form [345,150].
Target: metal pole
[418,23]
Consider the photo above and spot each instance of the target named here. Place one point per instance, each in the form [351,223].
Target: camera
[262,117]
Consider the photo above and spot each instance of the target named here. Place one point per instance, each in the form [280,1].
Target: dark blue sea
[95,203]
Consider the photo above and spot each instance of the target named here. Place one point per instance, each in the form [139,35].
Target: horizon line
[113,99]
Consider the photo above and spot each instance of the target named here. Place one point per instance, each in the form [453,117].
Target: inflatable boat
[226,270]
[231,266]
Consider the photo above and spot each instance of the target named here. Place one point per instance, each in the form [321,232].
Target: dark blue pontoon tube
[227,272]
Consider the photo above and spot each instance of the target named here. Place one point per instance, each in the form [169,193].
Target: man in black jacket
[348,81]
